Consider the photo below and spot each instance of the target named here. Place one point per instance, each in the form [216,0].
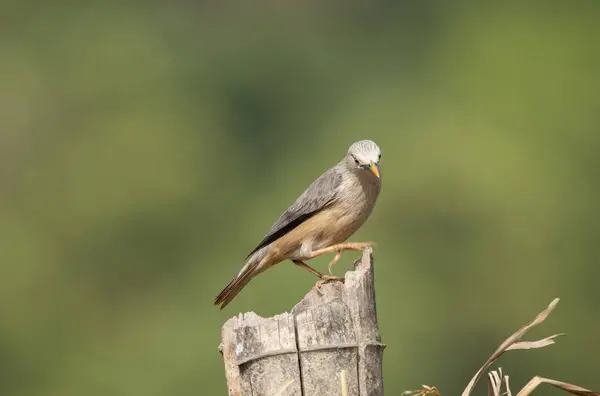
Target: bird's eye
[379,157]
[356,161]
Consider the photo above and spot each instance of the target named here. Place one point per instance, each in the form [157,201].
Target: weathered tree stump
[329,341]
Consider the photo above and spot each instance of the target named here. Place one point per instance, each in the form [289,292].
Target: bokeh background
[146,147]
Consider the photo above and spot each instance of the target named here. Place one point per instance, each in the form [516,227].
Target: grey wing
[319,195]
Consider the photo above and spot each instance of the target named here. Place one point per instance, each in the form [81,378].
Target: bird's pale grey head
[364,155]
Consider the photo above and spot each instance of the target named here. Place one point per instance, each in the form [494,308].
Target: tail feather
[255,264]
[234,287]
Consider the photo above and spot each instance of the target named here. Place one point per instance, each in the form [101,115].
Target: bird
[320,221]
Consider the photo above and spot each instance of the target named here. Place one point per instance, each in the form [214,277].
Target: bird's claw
[335,260]
[364,245]
[327,278]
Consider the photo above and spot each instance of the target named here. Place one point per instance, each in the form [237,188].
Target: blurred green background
[146,147]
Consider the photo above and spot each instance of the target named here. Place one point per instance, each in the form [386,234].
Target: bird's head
[364,155]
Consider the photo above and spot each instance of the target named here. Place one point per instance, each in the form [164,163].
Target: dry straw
[498,382]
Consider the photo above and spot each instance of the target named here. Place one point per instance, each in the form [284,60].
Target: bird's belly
[326,228]
[341,225]
[345,226]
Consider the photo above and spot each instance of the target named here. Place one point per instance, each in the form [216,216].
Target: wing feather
[319,195]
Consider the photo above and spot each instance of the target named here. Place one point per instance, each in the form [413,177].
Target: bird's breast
[353,208]
[332,225]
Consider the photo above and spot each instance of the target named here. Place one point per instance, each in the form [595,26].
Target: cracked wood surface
[326,333]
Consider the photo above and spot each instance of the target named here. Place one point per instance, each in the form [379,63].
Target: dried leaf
[507,386]
[516,337]
[424,391]
[491,390]
[344,383]
[534,344]
[495,382]
[492,387]
[573,389]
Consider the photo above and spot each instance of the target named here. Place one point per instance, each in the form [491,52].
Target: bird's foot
[360,245]
[340,247]
[335,260]
[327,278]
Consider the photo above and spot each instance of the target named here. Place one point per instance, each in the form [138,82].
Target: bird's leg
[340,247]
[323,278]
[310,269]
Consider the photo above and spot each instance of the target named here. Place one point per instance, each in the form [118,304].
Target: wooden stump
[329,341]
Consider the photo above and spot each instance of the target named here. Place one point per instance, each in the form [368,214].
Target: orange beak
[375,169]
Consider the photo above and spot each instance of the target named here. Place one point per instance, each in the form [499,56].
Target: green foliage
[145,148]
